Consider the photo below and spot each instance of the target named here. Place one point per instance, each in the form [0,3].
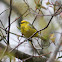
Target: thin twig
[3,11]
[36,56]
[9,21]
[3,53]
[3,26]
[13,22]
[18,45]
[35,18]
[2,36]
[12,33]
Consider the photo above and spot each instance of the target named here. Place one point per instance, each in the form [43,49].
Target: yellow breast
[27,30]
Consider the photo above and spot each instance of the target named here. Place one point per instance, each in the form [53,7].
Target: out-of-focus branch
[17,7]
[14,7]
[34,19]
[53,56]
[25,57]
[4,11]
[3,25]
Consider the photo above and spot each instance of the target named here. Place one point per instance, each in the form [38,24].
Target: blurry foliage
[48,3]
[11,55]
[18,6]
[52,37]
[39,4]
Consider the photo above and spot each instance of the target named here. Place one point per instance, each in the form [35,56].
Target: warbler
[28,30]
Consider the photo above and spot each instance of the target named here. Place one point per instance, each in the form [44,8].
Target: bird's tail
[42,38]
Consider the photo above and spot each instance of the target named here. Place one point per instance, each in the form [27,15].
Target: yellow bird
[28,29]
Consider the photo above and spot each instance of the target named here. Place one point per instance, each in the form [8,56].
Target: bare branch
[9,21]
[25,57]
[3,26]
[3,11]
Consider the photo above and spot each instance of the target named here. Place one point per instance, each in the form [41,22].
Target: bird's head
[22,22]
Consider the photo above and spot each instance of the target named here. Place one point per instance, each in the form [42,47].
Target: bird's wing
[32,27]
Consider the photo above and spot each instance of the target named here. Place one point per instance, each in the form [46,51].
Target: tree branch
[25,57]
[9,21]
